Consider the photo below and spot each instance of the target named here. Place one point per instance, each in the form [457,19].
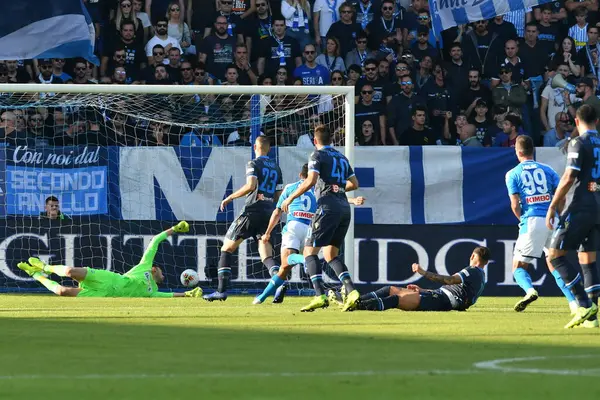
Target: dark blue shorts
[329,227]
[434,300]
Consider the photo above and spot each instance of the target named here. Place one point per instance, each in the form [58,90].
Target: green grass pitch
[63,348]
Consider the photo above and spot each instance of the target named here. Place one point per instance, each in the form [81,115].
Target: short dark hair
[323,135]
[484,253]
[532,24]
[580,11]
[524,144]
[159,19]
[587,114]
[304,171]
[126,22]
[51,198]
[371,61]
[514,120]
[158,46]
[590,27]
[455,45]
[417,108]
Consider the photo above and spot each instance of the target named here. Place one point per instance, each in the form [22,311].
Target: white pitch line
[498,365]
[217,375]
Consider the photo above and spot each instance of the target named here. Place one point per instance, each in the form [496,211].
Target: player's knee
[520,264]
[555,253]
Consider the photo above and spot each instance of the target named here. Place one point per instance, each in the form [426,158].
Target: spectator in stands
[178,29]
[548,32]
[483,126]
[585,92]
[312,74]
[119,62]
[134,50]
[161,37]
[74,132]
[231,76]
[257,28]
[557,135]
[590,53]
[16,74]
[553,100]
[365,12]
[510,131]
[143,16]
[216,51]
[384,70]
[243,137]
[458,70]
[200,75]
[118,132]
[476,92]
[46,76]
[423,74]
[387,52]
[281,77]
[161,76]
[482,48]
[579,31]
[567,53]
[8,130]
[401,107]
[296,14]
[330,58]
[36,132]
[3,74]
[346,30]
[359,54]
[325,13]
[507,93]
[534,60]
[233,25]
[201,136]
[421,47]
[468,137]
[58,123]
[157,8]
[279,50]
[354,73]
[156,135]
[438,99]
[158,58]
[367,136]
[187,73]
[369,110]
[80,71]
[411,21]
[379,28]
[510,60]
[52,209]
[519,18]
[174,64]
[126,12]
[242,63]
[21,119]
[307,140]
[504,29]
[380,86]
[119,77]
[418,134]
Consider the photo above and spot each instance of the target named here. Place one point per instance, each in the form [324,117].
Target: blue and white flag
[448,13]
[46,29]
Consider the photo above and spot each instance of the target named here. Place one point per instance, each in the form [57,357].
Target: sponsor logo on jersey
[302,214]
[540,198]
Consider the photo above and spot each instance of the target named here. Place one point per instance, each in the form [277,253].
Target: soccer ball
[189,278]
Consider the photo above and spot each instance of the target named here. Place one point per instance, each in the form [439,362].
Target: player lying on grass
[293,235]
[140,281]
[460,291]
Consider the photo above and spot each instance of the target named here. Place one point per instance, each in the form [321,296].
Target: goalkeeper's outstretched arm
[152,248]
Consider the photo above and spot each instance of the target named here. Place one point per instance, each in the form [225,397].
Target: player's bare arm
[309,182]
[249,187]
[357,201]
[275,218]
[515,205]
[443,279]
[566,182]
[351,184]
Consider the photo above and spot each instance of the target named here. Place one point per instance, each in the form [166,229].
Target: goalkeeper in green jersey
[139,281]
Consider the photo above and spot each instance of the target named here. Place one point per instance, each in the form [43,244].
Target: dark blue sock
[591,283]
[572,280]
[224,271]
[390,302]
[342,272]
[315,271]
[271,265]
[381,292]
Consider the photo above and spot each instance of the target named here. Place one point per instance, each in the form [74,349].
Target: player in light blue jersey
[531,186]
[293,235]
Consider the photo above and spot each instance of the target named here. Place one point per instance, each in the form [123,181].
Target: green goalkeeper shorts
[99,283]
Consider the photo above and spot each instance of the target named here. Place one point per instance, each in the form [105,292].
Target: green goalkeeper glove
[181,227]
[196,292]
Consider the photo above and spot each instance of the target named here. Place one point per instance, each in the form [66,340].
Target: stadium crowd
[478,85]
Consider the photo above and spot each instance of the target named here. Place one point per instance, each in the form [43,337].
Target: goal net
[89,173]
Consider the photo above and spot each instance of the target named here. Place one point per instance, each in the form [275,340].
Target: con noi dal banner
[77,176]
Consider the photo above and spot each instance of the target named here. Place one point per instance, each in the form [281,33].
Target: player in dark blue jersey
[460,291]
[578,226]
[331,174]
[264,183]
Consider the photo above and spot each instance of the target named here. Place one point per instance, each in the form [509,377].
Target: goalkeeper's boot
[29,269]
[221,296]
[36,263]
[280,294]
[335,297]
[317,302]
[351,302]
[530,297]
[582,315]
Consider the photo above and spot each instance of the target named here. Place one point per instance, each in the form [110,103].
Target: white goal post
[348,92]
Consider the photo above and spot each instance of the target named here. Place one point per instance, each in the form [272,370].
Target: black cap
[422,29]
[505,68]
[586,81]
[44,61]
